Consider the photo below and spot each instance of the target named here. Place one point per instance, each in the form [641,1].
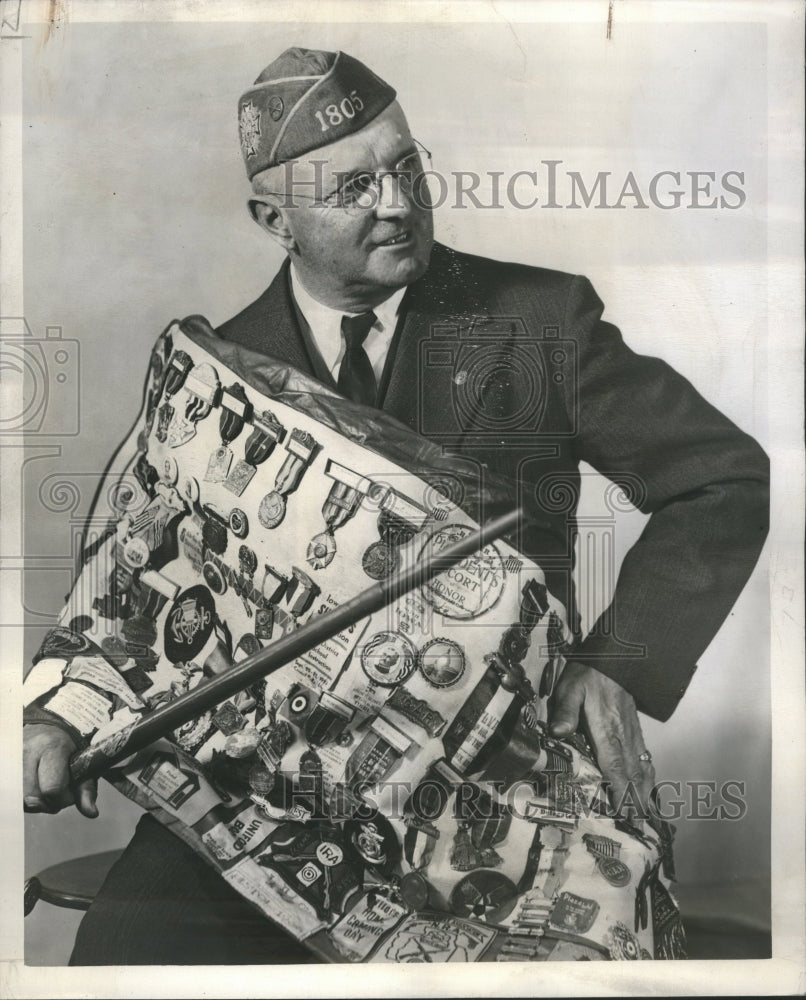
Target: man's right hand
[46,773]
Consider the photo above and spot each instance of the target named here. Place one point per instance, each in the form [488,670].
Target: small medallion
[380,560]
[214,578]
[272,509]
[321,549]
[238,522]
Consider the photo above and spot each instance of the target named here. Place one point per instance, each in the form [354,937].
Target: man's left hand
[584,695]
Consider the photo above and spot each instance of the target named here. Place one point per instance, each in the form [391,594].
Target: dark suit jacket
[513,367]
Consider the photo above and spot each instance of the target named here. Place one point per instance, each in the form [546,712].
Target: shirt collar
[325,323]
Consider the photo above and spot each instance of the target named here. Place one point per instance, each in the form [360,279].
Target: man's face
[355,259]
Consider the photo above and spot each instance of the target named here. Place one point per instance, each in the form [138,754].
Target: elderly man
[338,182]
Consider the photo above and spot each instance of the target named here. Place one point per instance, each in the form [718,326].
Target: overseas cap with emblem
[303,100]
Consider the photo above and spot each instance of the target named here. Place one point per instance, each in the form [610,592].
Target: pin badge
[342,502]
[202,387]
[388,658]
[178,368]
[442,662]
[235,411]
[399,520]
[301,448]
[189,624]
[259,446]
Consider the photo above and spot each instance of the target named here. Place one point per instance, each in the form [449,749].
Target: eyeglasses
[361,191]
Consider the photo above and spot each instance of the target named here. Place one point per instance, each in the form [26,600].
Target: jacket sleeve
[705,485]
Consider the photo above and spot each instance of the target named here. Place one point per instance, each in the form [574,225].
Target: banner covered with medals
[392,795]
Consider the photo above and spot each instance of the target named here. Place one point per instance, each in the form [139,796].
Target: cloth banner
[393,795]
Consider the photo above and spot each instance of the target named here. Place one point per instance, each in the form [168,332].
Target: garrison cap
[303,100]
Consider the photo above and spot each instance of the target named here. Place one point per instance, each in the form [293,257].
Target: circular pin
[374,841]
[615,871]
[299,704]
[388,658]
[625,945]
[238,522]
[190,489]
[136,552]
[442,662]
[380,560]
[248,644]
[189,624]
[170,470]
[484,895]
[272,509]
[321,549]
[329,854]
[214,578]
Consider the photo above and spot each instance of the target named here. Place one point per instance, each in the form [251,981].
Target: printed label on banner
[488,722]
[470,588]
[174,785]
[97,671]
[83,708]
[275,897]
[435,939]
[243,832]
[321,665]
[357,933]
[573,913]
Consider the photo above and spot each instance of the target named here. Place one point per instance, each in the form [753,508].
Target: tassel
[464,856]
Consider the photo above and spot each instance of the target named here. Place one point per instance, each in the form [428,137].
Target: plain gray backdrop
[134,214]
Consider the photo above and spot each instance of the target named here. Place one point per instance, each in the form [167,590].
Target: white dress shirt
[325,326]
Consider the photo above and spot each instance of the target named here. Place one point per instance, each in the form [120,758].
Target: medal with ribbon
[342,502]
[301,448]
[235,411]
[202,386]
[300,593]
[422,809]
[327,720]
[178,368]
[399,520]
[272,591]
[259,445]
[375,756]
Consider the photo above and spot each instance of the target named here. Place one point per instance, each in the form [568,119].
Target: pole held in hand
[99,757]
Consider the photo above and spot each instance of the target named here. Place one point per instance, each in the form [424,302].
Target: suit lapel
[439,308]
[269,326]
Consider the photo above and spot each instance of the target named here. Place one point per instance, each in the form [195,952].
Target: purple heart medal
[343,500]
[235,411]
[202,386]
[302,449]
[175,376]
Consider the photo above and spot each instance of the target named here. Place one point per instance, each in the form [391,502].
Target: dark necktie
[356,377]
